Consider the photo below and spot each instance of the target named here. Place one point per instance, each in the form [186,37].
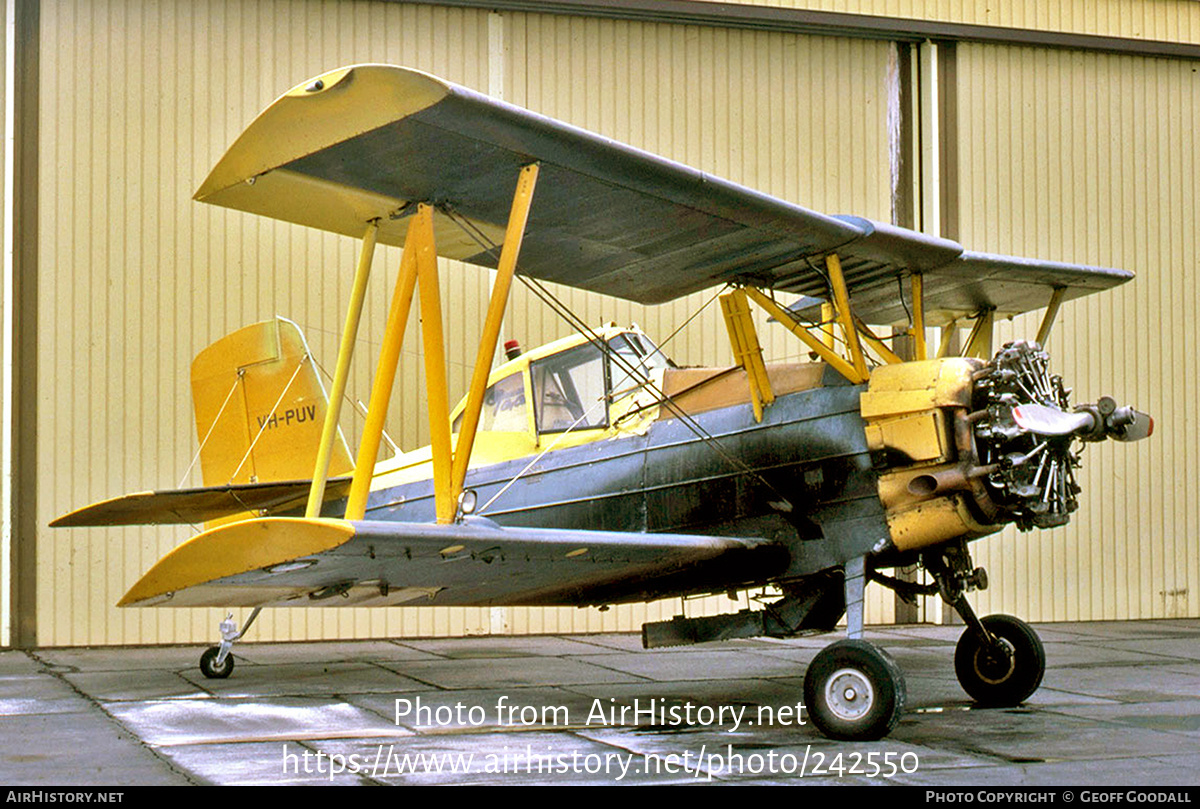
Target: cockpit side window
[503,407]
[570,390]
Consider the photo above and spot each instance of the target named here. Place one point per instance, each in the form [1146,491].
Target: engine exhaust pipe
[947,480]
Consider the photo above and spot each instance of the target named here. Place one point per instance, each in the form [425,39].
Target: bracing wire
[357,406]
[589,334]
[692,317]
[266,422]
[211,427]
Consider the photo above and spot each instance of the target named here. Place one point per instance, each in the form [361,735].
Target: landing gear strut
[853,689]
[999,659]
[217,663]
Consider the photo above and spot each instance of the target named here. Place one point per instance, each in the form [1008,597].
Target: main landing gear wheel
[1001,677]
[854,691]
[209,666]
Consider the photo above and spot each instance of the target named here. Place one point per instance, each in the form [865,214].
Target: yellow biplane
[594,471]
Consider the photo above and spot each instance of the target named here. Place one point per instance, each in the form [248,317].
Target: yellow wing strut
[746,350]
[818,346]
[385,377]
[1056,299]
[418,270]
[342,373]
[519,215]
[435,362]
[867,336]
[841,301]
[979,343]
[920,352]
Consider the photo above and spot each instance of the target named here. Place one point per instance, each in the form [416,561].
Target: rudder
[260,407]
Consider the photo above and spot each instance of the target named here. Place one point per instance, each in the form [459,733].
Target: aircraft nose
[1028,434]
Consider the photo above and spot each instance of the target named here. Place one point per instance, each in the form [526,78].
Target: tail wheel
[1004,675]
[209,667]
[854,691]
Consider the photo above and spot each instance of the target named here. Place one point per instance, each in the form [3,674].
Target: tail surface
[260,407]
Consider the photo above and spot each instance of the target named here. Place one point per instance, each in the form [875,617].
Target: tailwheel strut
[217,661]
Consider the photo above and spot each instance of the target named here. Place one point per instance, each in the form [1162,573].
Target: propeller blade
[1042,420]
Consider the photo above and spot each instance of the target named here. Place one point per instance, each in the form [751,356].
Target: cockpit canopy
[573,384]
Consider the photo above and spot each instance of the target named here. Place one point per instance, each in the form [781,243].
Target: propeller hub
[1031,438]
[1029,432]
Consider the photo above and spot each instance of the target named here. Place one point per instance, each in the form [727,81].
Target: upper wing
[363,142]
[301,562]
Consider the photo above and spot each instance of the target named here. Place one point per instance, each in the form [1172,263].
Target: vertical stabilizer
[260,406]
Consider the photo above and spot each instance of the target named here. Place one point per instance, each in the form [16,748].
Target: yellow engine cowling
[917,427]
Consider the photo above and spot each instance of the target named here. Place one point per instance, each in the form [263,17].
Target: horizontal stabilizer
[282,562]
[184,506]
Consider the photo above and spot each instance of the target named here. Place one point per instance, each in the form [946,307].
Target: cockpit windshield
[503,407]
[634,361]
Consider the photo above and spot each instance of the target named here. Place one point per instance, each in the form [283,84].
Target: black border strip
[25,344]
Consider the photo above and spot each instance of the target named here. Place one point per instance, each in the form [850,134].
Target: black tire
[209,667]
[997,681]
[854,691]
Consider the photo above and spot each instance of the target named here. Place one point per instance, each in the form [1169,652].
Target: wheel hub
[995,665]
[849,694]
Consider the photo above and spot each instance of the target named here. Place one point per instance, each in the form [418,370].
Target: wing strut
[341,374]
[1056,299]
[979,342]
[818,346]
[920,352]
[435,363]
[418,269]
[871,339]
[526,183]
[841,300]
[746,350]
[385,377]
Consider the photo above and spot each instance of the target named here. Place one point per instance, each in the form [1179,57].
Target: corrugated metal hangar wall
[1036,132]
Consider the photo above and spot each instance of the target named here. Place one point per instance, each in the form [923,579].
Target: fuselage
[699,465]
[620,440]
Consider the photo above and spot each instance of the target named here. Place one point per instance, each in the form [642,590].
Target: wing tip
[233,549]
[292,126]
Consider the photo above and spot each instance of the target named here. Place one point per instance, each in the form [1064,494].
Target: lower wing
[283,561]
